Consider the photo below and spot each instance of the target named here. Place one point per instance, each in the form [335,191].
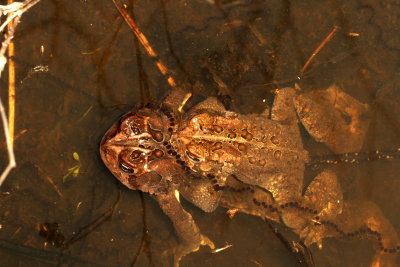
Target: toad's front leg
[186,229]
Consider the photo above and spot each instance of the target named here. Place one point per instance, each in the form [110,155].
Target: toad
[251,163]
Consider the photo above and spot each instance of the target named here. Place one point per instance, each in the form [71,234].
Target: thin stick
[11,163]
[48,178]
[143,40]
[316,51]
[11,83]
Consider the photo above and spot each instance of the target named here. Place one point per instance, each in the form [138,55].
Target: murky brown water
[96,73]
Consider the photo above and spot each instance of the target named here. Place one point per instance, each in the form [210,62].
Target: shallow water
[96,72]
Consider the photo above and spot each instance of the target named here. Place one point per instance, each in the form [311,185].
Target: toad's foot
[325,196]
[185,249]
[313,234]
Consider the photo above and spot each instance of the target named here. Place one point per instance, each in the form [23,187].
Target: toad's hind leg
[333,117]
[325,198]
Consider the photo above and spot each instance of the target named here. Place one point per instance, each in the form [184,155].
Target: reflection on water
[239,50]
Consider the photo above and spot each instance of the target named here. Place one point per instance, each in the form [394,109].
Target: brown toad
[249,163]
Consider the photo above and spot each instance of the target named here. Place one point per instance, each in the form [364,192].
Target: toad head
[134,149]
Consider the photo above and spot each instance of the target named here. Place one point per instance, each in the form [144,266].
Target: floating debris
[74,171]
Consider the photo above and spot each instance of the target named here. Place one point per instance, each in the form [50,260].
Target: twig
[11,83]
[48,178]
[15,11]
[143,40]
[316,51]
[11,162]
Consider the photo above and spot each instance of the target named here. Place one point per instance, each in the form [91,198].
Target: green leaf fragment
[75,172]
[66,176]
[75,155]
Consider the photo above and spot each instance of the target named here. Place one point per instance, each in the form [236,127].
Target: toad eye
[126,168]
[136,154]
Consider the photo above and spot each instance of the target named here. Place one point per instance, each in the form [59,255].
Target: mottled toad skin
[248,163]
